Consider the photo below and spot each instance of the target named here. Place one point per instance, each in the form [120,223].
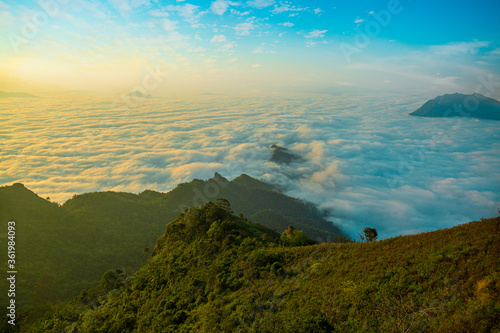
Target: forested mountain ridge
[215,272]
[64,249]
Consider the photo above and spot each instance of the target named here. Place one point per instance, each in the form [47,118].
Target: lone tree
[369,234]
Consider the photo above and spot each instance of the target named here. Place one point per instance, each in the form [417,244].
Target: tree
[294,237]
[224,204]
[369,234]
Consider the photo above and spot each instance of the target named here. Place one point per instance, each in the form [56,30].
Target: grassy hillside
[214,272]
[62,250]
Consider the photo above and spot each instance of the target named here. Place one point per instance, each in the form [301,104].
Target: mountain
[65,248]
[248,197]
[283,155]
[460,105]
[214,272]
[16,94]
[137,93]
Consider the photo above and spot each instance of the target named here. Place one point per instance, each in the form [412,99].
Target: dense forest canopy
[64,249]
[214,272]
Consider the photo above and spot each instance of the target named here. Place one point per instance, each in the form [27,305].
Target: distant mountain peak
[17,94]
[460,105]
[137,93]
[218,176]
[283,155]
[247,181]
[219,179]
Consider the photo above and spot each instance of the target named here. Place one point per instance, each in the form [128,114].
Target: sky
[256,45]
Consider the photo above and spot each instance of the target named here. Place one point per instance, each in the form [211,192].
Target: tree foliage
[65,249]
[369,234]
[230,275]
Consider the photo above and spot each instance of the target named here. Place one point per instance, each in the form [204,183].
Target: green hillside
[214,272]
[62,250]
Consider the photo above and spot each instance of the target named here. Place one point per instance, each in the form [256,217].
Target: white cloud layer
[367,162]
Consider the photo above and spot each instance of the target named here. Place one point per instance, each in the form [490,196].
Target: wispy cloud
[189,12]
[316,33]
[244,29]
[122,5]
[218,39]
[158,13]
[286,6]
[459,48]
[260,3]
[238,13]
[169,25]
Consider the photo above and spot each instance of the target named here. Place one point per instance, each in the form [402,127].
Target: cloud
[316,33]
[259,49]
[125,6]
[359,20]
[122,5]
[139,3]
[495,52]
[243,29]
[313,43]
[169,25]
[219,7]
[366,162]
[6,18]
[287,24]
[287,7]
[218,39]
[226,47]
[236,12]
[188,11]
[260,3]
[158,13]
[318,11]
[459,48]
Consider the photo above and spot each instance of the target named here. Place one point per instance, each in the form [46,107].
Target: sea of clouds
[367,163]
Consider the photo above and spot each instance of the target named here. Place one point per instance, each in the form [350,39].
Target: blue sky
[418,46]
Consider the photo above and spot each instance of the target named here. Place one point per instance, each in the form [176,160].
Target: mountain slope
[65,249]
[460,105]
[214,272]
[249,196]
